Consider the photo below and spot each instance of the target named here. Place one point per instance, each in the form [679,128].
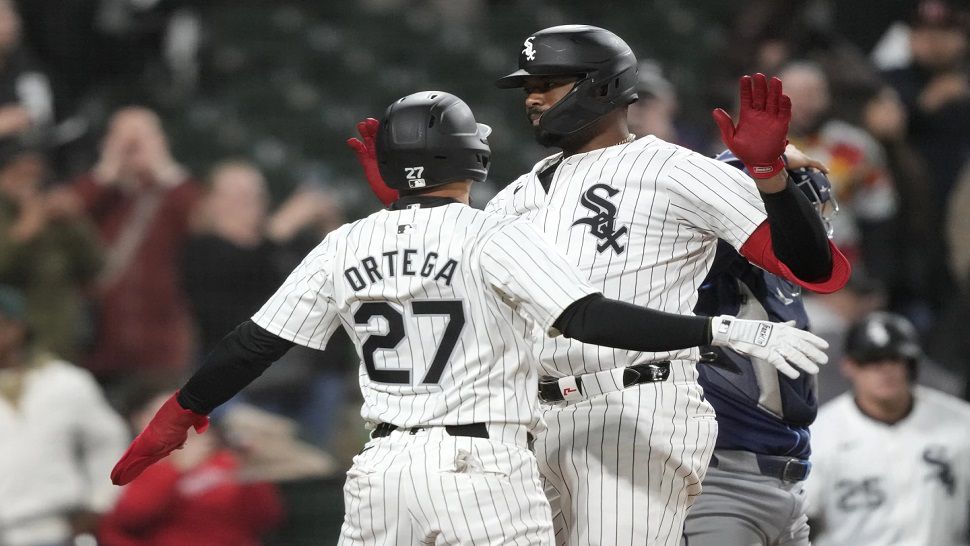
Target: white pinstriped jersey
[441,303]
[642,220]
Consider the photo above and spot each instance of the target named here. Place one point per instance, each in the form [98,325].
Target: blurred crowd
[121,265]
[891,126]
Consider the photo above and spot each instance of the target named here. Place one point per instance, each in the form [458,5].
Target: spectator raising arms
[141,200]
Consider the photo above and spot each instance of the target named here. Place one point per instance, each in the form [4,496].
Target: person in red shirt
[197,496]
[141,199]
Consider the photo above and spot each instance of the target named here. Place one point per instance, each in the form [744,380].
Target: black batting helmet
[431,138]
[883,336]
[603,62]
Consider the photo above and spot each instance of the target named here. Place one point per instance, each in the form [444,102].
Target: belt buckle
[795,470]
[659,371]
[651,372]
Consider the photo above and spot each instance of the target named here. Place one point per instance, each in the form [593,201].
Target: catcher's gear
[166,432]
[813,183]
[431,138]
[760,136]
[603,62]
[780,344]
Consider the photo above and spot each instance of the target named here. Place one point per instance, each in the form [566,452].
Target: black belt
[786,469]
[475,430]
[651,372]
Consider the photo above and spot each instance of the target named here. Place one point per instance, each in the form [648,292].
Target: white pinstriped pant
[432,488]
[624,467]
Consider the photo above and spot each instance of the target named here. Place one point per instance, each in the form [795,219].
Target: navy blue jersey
[758,409]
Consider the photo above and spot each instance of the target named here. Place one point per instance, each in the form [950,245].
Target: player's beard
[541,136]
[568,142]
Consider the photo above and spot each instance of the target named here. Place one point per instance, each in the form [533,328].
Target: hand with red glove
[366,152]
[760,137]
[166,432]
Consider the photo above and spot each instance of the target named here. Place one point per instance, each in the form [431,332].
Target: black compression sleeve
[601,321]
[237,360]
[797,234]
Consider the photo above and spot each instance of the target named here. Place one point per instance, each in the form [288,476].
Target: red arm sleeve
[757,249]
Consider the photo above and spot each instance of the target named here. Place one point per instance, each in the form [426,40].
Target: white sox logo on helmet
[528,51]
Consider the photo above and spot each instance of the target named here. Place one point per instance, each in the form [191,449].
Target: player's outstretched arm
[602,321]
[365,148]
[793,243]
[519,262]
[237,361]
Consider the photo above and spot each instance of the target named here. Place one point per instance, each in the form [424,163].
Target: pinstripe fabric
[469,291]
[512,284]
[622,468]
[674,204]
[431,488]
[641,220]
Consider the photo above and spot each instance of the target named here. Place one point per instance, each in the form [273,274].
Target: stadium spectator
[196,496]
[656,106]
[58,439]
[856,163]
[916,273]
[140,199]
[228,266]
[52,260]
[26,101]
[935,88]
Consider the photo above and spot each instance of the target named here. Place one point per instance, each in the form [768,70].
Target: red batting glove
[165,433]
[761,134]
[366,152]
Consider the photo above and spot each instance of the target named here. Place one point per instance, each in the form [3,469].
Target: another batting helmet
[603,62]
[431,138]
[883,336]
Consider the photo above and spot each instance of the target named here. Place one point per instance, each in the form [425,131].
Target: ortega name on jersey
[399,262]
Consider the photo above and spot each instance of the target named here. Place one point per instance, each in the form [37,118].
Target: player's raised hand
[781,344]
[165,433]
[366,151]
[761,134]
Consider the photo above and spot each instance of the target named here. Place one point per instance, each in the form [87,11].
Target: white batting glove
[781,344]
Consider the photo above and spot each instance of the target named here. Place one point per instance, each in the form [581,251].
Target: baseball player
[442,302]
[622,457]
[891,460]
[753,492]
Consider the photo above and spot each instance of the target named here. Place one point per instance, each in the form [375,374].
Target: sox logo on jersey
[602,224]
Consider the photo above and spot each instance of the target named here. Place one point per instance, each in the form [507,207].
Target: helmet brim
[513,80]
[517,78]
